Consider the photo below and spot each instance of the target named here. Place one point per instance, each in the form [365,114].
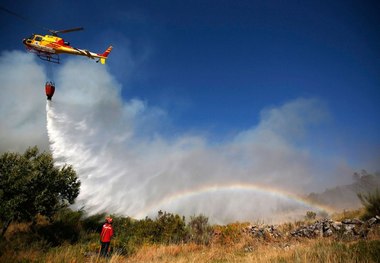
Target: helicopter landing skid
[53,58]
[50,57]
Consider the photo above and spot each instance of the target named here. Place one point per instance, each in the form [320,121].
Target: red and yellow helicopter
[49,47]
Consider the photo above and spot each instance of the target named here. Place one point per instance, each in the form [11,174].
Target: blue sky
[197,94]
[214,66]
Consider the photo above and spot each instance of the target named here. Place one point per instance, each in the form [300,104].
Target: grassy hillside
[70,241]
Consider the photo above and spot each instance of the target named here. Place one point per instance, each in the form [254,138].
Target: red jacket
[107,233]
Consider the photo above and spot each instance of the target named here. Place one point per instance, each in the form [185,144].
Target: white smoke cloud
[127,166]
[22,118]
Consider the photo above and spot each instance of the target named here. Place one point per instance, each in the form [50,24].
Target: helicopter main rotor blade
[55,32]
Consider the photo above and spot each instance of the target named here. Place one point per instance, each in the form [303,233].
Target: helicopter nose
[26,41]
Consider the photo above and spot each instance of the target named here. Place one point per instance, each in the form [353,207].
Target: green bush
[65,227]
[126,241]
[170,228]
[93,223]
[371,203]
[310,215]
[130,234]
[199,230]
[229,234]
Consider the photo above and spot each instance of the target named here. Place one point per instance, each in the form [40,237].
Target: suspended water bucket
[49,89]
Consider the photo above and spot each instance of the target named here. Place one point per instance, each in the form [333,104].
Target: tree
[30,184]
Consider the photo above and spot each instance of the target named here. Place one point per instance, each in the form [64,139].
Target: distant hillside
[345,197]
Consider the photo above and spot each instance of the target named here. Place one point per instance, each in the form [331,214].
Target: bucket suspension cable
[50,72]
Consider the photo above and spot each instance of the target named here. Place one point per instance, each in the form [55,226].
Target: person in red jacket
[105,237]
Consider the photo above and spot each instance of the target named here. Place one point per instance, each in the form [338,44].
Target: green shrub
[126,240]
[93,223]
[169,228]
[199,230]
[65,227]
[229,234]
[371,203]
[130,234]
[310,215]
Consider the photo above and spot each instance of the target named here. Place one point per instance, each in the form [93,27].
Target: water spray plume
[128,175]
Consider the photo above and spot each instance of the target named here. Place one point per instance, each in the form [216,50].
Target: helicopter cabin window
[38,38]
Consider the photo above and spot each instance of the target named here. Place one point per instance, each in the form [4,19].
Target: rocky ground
[352,228]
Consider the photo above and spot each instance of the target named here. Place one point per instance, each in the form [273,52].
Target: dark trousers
[104,248]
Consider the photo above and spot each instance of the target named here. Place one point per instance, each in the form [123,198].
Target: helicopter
[49,47]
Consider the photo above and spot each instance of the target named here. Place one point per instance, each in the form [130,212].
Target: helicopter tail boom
[83,52]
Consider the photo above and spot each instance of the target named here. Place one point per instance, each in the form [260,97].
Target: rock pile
[328,227]
[264,231]
[320,228]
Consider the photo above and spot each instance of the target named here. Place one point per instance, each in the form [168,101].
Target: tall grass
[308,251]
[358,213]
[305,250]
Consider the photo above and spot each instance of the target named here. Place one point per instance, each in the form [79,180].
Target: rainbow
[233,187]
